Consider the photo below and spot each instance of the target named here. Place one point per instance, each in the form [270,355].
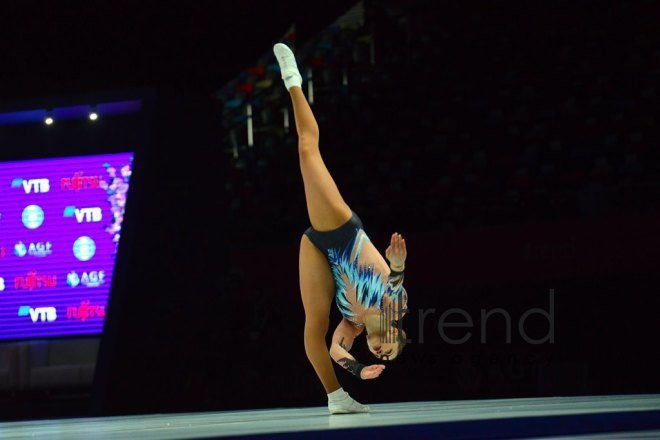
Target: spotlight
[93,116]
[49,120]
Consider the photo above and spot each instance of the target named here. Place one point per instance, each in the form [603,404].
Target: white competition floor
[584,417]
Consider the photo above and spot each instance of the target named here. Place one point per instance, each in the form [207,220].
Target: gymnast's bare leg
[327,210]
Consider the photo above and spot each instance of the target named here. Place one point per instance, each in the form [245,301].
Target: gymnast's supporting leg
[317,292]
[327,210]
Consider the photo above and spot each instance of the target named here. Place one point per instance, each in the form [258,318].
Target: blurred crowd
[435,117]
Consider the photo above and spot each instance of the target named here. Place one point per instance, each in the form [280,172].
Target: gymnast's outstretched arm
[342,341]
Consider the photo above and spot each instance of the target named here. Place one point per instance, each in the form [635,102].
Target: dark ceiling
[71,47]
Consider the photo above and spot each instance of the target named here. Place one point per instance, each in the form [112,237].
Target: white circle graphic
[33,216]
[84,248]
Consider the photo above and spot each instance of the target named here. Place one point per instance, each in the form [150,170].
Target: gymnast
[337,260]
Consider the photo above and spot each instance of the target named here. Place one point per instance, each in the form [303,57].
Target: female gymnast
[337,260]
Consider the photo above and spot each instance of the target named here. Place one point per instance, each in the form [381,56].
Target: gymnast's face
[384,346]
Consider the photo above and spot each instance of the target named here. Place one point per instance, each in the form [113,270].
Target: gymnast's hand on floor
[396,252]
[372,371]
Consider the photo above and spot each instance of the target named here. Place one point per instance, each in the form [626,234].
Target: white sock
[337,394]
[293,81]
[339,402]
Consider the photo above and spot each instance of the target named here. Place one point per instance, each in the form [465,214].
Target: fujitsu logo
[79,182]
[85,311]
[33,280]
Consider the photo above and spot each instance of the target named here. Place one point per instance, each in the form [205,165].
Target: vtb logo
[32,185]
[44,313]
[87,215]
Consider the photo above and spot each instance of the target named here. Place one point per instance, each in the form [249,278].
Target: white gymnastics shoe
[339,402]
[288,66]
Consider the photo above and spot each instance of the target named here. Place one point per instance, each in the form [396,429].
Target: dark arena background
[513,144]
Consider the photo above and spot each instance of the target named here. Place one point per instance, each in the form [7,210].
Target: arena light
[82,111]
[310,86]
[285,112]
[250,134]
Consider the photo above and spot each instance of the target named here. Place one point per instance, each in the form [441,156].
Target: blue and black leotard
[358,270]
